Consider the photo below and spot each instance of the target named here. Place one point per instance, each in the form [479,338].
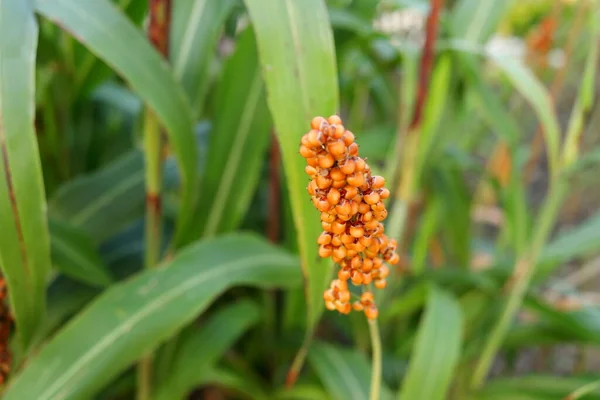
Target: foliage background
[138,197]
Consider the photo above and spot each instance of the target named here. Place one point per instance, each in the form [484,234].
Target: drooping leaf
[238,143]
[436,351]
[196,26]
[25,243]
[345,373]
[134,317]
[297,56]
[73,254]
[525,82]
[110,35]
[199,349]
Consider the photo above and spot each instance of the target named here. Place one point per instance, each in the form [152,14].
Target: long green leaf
[536,94]
[544,386]
[108,33]
[345,373]
[200,349]
[73,254]
[437,349]
[132,318]
[585,98]
[238,143]
[25,243]
[196,28]
[297,55]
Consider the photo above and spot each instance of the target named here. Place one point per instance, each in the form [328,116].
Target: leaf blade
[296,51]
[434,357]
[125,323]
[25,244]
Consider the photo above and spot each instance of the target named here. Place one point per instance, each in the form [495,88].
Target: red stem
[431,29]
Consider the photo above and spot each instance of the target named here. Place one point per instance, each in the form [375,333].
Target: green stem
[376,361]
[523,272]
[584,390]
[154,160]
[298,362]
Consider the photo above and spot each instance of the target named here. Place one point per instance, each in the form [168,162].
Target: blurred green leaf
[406,303]
[437,349]
[302,392]
[238,143]
[109,34]
[345,373]
[297,56]
[25,243]
[582,325]
[106,201]
[580,241]
[236,382]
[196,27]
[537,386]
[73,254]
[474,21]
[199,349]
[134,317]
[585,98]
[536,94]
[65,298]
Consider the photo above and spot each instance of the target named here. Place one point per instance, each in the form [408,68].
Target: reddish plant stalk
[274,198]
[159,26]
[427,57]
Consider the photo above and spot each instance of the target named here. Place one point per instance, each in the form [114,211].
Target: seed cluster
[5,327]
[350,200]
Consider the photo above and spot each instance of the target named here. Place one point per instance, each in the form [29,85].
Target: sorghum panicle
[350,200]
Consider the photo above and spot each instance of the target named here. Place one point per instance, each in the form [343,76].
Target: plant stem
[522,275]
[298,362]
[158,34]
[376,360]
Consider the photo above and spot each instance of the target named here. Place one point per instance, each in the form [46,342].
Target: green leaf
[302,392]
[105,201]
[536,94]
[108,33]
[73,254]
[235,381]
[134,317]
[580,241]
[238,143]
[199,349]
[437,349]
[65,298]
[196,27]
[585,98]
[297,55]
[474,21]
[25,243]
[345,373]
[540,386]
